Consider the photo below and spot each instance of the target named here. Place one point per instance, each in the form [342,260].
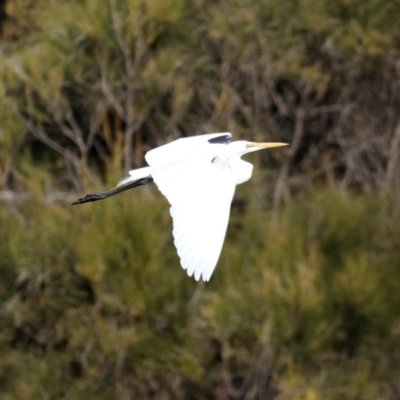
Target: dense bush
[304,301]
[83,82]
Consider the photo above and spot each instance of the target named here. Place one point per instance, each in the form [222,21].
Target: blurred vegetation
[303,305]
[85,83]
[304,302]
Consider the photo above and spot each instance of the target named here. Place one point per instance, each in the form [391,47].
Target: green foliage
[90,81]
[304,302]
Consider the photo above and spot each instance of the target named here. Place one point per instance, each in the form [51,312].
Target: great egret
[198,176]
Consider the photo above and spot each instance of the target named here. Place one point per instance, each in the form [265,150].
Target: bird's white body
[198,176]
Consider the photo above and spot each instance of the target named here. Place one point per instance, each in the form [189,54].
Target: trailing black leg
[112,192]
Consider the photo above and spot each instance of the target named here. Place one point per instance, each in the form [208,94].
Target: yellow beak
[269,145]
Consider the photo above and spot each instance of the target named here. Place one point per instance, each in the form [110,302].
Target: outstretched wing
[185,148]
[200,195]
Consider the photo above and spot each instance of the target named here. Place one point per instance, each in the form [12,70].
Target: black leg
[112,192]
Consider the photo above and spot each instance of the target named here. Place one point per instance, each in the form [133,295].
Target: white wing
[200,195]
[178,151]
[185,148]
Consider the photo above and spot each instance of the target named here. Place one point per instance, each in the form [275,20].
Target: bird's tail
[134,175]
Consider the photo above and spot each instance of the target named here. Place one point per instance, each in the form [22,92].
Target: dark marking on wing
[223,139]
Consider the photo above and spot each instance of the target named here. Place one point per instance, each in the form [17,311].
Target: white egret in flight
[198,176]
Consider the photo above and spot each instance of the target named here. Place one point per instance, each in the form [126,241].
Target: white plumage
[198,176]
[200,195]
